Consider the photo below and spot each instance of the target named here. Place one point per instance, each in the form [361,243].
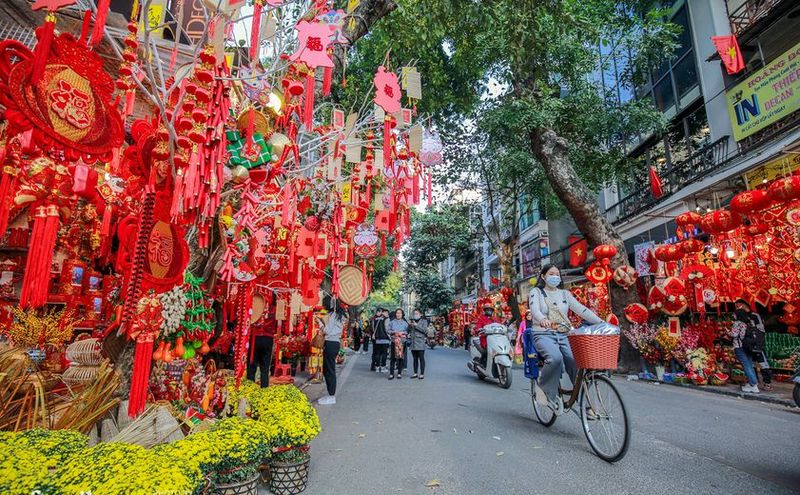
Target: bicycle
[600,408]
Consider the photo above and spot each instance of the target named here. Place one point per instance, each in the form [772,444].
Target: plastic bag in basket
[597,329]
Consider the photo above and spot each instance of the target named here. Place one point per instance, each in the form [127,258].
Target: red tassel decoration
[87,21]
[7,184]
[383,244]
[430,189]
[308,110]
[42,51]
[255,29]
[105,231]
[36,283]
[100,22]
[143,356]
[327,78]
[387,141]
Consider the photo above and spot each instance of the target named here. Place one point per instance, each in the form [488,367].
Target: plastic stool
[282,370]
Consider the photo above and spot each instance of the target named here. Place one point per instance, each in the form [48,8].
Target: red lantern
[750,201]
[719,221]
[688,220]
[669,252]
[604,253]
[692,246]
[785,189]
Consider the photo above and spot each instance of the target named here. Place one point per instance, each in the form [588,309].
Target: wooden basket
[595,352]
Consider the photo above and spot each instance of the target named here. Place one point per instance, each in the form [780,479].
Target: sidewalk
[781,393]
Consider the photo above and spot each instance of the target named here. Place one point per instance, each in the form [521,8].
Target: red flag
[578,249]
[729,52]
[655,183]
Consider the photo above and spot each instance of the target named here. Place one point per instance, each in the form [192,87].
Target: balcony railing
[708,159]
[751,12]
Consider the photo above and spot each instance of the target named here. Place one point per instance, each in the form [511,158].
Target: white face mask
[552,280]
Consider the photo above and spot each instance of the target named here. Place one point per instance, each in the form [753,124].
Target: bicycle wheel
[604,418]
[544,414]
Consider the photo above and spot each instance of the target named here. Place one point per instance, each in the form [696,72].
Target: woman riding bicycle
[549,305]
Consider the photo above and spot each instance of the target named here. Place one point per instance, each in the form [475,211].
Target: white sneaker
[328,400]
[750,389]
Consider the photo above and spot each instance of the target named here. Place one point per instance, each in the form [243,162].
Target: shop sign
[531,261]
[772,170]
[767,96]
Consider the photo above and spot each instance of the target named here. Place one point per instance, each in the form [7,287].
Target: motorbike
[495,360]
[796,391]
[431,343]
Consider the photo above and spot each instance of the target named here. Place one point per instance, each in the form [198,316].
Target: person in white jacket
[549,305]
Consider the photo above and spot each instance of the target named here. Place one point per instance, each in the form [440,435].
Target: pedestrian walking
[262,335]
[355,334]
[381,340]
[419,339]
[367,335]
[333,324]
[398,332]
[549,304]
[467,336]
[748,345]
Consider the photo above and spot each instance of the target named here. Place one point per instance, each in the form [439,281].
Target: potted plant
[288,470]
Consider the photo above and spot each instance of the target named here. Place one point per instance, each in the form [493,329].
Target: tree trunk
[551,150]
[366,15]
[506,258]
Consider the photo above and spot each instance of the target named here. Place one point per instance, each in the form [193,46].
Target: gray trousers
[554,349]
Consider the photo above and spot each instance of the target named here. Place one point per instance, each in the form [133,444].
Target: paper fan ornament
[387,91]
[431,152]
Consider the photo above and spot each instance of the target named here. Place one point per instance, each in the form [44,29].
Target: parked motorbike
[796,391]
[495,360]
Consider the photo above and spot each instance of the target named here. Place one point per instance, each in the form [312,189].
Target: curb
[754,397]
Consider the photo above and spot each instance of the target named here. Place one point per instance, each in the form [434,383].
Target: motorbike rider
[485,319]
[549,305]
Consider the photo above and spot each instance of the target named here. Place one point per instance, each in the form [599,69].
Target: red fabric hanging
[387,141]
[655,183]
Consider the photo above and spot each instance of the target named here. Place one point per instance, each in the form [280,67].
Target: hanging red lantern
[605,252]
[719,221]
[747,202]
[692,246]
[785,189]
[669,252]
[688,220]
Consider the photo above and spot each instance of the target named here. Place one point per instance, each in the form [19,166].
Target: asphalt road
[392,437]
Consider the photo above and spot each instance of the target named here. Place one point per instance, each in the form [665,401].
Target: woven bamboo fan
[352,286]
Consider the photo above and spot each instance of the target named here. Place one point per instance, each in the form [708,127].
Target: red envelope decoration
[313,47]
[387,91]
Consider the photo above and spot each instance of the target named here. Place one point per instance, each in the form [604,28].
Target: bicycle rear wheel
[544,414]
[604,418]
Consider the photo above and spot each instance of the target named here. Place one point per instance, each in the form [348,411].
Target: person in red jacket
[485,319]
